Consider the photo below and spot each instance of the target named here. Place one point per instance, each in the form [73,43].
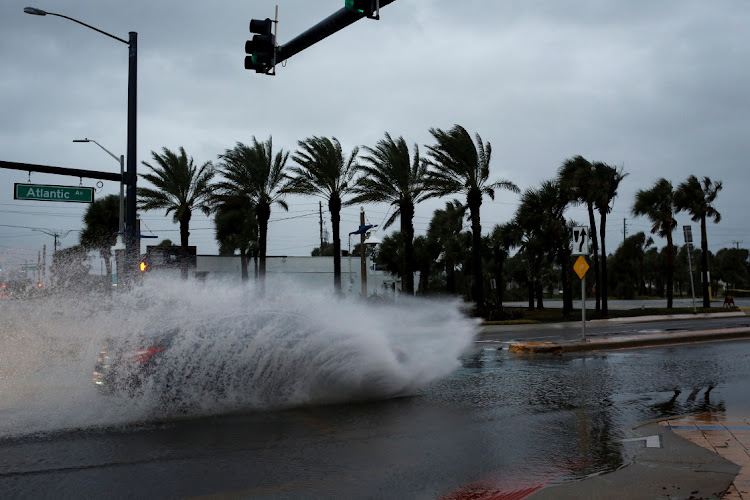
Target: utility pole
[624,231]
[363,254]
[736,244]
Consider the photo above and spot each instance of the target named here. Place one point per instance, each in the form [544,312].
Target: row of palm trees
[254,179]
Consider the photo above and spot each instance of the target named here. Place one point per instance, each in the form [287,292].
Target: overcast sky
[657,88]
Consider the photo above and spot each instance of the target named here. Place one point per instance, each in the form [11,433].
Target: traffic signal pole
[325,28]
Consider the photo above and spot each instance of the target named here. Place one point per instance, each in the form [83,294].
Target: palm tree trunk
[670,270]
[334,206]
[595,248]
[474,202]
[184,235]
[243,265]
[407,230]
[604,291]
[263,213]
[704,263]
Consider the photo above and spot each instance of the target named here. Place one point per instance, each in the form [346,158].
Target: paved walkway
[729,438]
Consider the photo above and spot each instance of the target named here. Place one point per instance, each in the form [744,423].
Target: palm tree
[236,228]
[576,175]
[657,204]
[102,220]
[180,187]
[323,170]
[253,174]
[697,198]
[395,177]
[607,180]
[458,165]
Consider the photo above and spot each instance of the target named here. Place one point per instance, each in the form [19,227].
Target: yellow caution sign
[581,266]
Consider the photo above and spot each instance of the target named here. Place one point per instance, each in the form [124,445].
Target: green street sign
[29,268]
[39,192]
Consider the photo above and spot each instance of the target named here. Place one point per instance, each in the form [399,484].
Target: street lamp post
[119,245]
[130,180]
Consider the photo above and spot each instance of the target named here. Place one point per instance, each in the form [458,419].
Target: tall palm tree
[323,170]
[697,198]
[254,174]
[236,228]
[607,180]
[393,176]
[180,187]
[576,176]
[657,204]
[102,221]
[458,165]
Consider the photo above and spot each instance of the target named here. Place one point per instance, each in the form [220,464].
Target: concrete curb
[629,341]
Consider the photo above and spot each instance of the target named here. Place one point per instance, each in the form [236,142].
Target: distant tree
[628,267]
[392,175]
[503,239]
[323,170]
[541,212]
[459,165]
[101,223]
[731,267]
[657,204]
[444,231]
[180,186]
[255,175]
[165,243]
[697,198]
[236,228]
[326,251]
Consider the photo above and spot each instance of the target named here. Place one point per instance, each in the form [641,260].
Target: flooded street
[465,418]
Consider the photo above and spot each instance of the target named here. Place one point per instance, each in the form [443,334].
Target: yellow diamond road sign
[581,266]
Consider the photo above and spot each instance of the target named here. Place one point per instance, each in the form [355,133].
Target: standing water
[232,349]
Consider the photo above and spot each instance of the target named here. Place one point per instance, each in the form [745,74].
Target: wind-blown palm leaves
[391,175]
[657,204]
[458,165]
[237,229]
[697,198]
[254,174]
[323,170]
[180,187]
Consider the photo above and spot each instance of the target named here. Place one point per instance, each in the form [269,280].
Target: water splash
[237,350]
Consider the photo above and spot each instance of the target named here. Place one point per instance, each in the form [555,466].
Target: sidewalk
[729,438]
[640,340]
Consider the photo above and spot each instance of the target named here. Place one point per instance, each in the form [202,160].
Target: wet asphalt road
[500,423]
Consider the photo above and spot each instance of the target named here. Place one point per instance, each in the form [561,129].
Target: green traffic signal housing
[370,8]
[261,50]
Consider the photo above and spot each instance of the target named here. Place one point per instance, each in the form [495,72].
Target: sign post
[580,267]
[579,245]
[687,231]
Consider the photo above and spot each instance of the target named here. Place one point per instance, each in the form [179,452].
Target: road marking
[651,441]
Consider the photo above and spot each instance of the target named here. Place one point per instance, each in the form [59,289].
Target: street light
[132,174]
[120,245]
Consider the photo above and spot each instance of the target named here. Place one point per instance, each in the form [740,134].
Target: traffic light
[143,266]
[366,7]
[261,50]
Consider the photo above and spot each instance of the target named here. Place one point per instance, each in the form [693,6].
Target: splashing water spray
[169,350]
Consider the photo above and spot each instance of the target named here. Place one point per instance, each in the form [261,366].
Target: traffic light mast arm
[328,26]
